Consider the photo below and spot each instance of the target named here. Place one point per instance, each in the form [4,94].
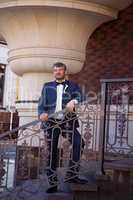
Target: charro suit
[47,104]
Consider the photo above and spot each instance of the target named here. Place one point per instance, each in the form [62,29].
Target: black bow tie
[58,83]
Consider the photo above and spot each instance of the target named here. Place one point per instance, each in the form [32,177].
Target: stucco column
[39,33]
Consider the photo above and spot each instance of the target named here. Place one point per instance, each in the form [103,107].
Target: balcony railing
[28,156]
[104,142]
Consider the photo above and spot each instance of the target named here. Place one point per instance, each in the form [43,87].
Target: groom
[58,95]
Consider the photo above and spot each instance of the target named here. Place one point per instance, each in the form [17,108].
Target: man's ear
[66,75]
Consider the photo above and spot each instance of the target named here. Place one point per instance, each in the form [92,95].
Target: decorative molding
[80,5]
[52,52]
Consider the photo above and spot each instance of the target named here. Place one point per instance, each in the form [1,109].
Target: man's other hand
[71,105]
[44,117]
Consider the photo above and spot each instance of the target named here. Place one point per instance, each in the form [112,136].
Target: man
[56,96]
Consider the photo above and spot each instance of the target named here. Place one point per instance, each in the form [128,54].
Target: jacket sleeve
[42,103]
[77,94]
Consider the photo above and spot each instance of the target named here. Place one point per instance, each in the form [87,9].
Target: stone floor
[35,189]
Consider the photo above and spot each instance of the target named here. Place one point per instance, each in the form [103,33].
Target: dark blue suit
[47,101]
[47,104]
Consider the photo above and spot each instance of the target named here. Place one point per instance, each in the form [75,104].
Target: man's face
[59,73]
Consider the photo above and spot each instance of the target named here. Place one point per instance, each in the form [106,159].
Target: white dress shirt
[58,108]
[59,100]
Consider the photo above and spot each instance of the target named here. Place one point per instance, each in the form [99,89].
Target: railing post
[102,128]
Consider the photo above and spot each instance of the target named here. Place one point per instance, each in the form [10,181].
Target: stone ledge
[91,187]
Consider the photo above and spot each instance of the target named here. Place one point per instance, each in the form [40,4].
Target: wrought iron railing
[116,126]
[29,156]
[105,134]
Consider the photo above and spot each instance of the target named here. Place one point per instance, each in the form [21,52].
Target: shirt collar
[58,82]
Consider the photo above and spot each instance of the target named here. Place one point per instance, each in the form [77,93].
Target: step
[60,196]
[85,191]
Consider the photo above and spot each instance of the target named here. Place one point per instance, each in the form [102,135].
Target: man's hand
[71,105]
[44,117]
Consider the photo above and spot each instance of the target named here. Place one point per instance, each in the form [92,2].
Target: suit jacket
[47,101]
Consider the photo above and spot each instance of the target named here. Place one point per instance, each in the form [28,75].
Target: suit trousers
[74,138]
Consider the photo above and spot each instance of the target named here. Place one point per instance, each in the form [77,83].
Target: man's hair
[59,64]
